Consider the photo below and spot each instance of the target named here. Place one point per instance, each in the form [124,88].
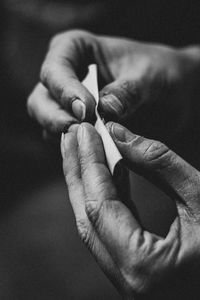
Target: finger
[112,220]
[121,98]
[157,163]
[71,168]
[72,173]
[66,55]
[47,112]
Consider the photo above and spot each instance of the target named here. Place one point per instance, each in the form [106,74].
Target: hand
[147,87]
[140,264]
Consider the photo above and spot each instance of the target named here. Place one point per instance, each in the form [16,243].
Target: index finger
[64,66]
[112,220]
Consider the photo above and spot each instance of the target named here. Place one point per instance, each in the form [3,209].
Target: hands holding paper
[139,263]
[146,87]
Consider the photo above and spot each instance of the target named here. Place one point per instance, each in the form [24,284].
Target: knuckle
[146,261]
[83,230]
[138,273]
[70,35]
[136,282]
[157,153]
[93,210]
[136,276]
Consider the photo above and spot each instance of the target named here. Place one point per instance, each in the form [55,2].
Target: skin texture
[142,265]
[146,87]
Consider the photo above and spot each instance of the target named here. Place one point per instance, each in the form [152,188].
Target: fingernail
[79,109]
[122,134]
[62,145]
[80,134]
[113,104]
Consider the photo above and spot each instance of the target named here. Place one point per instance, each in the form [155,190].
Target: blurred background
[41,256]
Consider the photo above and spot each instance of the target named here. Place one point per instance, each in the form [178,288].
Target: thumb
[158,164]
[121,98]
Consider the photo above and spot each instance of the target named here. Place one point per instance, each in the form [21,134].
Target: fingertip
[84,130]
[68,144]
[87,126]
[110,104]
[83,106]
[74,128]
[116,130]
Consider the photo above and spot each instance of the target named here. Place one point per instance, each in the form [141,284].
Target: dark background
[41,256]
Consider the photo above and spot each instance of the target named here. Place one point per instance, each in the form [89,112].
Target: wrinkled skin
[142,265]
[146,87]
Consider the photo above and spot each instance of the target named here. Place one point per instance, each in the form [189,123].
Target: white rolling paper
[112,154]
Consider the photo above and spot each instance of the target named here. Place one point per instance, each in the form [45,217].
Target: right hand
[146,87]
[142,265]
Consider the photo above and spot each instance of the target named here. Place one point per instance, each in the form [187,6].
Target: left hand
[141,264]
[147,87]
